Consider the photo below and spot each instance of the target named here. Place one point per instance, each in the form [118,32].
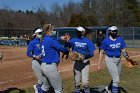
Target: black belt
[114,56]
[39,61]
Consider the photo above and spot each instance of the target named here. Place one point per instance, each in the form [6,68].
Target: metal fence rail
[131,35]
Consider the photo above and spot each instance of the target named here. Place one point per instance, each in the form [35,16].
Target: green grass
[130,81]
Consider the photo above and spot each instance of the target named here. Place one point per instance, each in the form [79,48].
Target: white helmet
[81,29]
[112,28]
[38,30]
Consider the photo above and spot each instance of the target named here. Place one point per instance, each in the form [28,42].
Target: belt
[49,63]
[114,56]
[39,61]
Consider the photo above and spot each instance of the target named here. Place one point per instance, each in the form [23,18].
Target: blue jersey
[51,48]
[83,46]
[113,48]
[34,48]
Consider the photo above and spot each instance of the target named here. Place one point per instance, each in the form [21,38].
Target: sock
[115,87]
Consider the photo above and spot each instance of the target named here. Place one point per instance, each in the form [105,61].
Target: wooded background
[123,13]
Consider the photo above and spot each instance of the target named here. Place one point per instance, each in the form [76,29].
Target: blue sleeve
[91,48]
[30,50]
[59,47]
[67,44]
[58,39]
[123,45]
[103,45]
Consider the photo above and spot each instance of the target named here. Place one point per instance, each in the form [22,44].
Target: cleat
[108,91]
[35,88]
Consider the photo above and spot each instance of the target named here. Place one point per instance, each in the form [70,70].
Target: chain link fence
[131,35]
[10,36]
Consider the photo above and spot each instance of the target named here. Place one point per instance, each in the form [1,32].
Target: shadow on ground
[96,89]
[101,89]
[8,90]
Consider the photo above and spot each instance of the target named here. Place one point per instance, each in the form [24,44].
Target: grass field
[130,81]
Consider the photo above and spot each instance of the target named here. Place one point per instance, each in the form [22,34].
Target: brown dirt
[16,71]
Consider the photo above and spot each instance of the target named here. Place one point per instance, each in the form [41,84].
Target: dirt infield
[16,71]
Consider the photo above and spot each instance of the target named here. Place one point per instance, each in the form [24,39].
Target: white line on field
[132,51]
[10,57]
[71,68]
[19,60]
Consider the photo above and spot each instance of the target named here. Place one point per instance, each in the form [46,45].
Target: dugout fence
[131,35]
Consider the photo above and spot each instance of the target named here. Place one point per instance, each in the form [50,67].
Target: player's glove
[130,63]
[77,56]
[66,55]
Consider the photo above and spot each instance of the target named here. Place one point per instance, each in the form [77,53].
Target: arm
[100,59]
[64,37]
[91,48]
[61,38]
[90,51]
[103,47]
[125,54]
[58,39]
[30,50]
[59,47]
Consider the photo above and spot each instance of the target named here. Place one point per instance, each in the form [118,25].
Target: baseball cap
[112,28]
[81,29]
[38,30]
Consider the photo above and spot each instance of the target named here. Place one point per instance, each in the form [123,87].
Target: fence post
[133,36]
[57,33]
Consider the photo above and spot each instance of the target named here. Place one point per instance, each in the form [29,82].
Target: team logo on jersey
[117,45]
[78,44]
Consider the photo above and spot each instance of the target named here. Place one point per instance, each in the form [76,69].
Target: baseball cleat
[77,90]
[35,88]
[108,91]
[87,90]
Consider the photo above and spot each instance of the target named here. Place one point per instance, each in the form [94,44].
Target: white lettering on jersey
[117,45]
[43,52]
[78,44]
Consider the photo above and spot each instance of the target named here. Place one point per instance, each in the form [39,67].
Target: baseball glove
[76,56]
[130,63]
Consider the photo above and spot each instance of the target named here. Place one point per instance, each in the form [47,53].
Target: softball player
[84,46]
[34,51]
[113,46]
[50,60]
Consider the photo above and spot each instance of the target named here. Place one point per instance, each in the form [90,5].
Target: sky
[31,4]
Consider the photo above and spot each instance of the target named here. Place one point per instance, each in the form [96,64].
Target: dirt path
[15,70]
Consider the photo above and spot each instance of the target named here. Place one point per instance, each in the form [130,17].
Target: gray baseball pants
[52,77]
[81,73]
[36,66]
[114,68]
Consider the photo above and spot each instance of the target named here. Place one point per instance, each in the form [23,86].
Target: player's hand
[67,37]
[81,56]
[63,38]
[37,57]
